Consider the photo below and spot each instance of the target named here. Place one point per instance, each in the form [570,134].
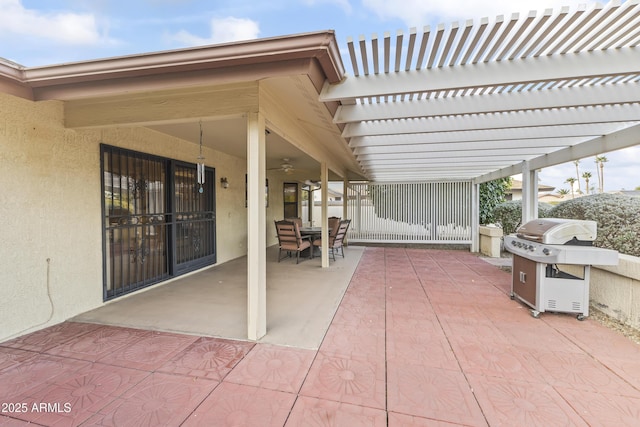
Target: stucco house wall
[50,210]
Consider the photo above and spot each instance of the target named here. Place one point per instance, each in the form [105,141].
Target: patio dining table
[314,232]
[306,231]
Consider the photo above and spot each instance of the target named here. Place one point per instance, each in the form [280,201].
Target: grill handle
[531,237]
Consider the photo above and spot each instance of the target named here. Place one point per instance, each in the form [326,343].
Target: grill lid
[558,231]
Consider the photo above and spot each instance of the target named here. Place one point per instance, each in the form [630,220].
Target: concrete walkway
[420,338]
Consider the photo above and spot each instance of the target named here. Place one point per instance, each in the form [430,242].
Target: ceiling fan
[285,167]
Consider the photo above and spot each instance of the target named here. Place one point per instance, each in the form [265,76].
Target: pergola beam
[565,97]
[571,132]
[619,140]
[504,120]
[488,74]
[418,149]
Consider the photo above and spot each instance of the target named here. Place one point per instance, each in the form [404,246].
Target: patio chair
[336,237]
[334,224]
[289,240]
[298,221]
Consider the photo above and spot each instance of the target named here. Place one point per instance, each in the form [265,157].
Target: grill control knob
[546,251]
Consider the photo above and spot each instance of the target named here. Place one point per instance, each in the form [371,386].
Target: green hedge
[509,214]
[618,219]
[617,216]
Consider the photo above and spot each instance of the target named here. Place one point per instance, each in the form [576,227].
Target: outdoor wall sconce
[224,182]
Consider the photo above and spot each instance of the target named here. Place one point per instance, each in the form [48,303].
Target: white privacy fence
[425,212]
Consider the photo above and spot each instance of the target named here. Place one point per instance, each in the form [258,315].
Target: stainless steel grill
[552,261]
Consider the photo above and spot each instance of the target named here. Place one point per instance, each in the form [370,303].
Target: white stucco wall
[50,210]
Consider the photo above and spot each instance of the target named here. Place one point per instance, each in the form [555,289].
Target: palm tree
[600,161]
[576,162]
[562,192]
[587,177]
[571,181]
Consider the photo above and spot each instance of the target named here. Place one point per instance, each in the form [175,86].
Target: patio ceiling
[476,100]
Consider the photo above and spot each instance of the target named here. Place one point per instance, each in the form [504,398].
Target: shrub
[509,214]
[492,193]
[617,216]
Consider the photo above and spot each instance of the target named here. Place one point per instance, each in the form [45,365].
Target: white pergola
[484,100]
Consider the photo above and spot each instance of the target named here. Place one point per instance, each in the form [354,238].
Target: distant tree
[571,181]
[600,161]
[587,177]
[562,192]
[576,162]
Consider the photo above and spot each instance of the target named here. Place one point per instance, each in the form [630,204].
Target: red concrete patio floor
[421,338]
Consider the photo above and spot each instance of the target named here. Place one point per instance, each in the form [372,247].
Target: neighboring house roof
[553,198]
[465,102]
[516,186]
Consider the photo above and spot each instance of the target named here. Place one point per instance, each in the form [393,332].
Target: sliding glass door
[195,220]
[157,223]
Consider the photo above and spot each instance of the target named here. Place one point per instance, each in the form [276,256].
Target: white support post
[256,228]
[475,217]
[529,193]
[324,184]
[345,198]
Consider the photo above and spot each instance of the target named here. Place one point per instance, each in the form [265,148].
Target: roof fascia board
[488,74]
[152,70]
[306,45]
[172,81]
[491,103]
[12,80]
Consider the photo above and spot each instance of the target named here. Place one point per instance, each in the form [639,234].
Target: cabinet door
[524,279]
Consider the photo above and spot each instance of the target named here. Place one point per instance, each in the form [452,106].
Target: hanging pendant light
[200,165]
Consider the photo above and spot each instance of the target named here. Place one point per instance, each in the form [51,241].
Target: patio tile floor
[421,338]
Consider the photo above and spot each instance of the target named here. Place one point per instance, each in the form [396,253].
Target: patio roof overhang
[172,91]
[479,101]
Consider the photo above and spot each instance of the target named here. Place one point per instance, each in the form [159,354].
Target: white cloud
[416,13]
[67,28]
[223,30]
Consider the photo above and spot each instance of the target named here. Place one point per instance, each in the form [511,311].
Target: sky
[46,32]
